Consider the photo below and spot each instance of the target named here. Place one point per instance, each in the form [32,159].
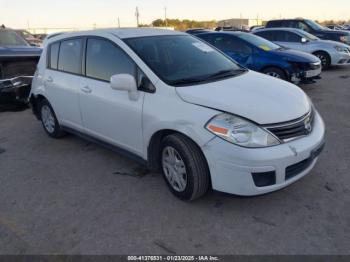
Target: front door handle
[86,89]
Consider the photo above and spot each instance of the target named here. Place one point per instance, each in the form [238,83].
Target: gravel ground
[69,196]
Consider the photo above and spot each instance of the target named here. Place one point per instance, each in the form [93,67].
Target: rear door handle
[49,79]
[86,89]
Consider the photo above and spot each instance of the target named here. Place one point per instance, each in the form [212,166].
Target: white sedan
[331,53]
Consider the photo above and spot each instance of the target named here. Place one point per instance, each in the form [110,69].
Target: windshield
[11,38]
[181,59]
[259,42]
[315,26]
[308,36]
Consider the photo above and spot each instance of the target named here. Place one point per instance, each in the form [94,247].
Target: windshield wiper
[217,75]
[226,73]
[187,81]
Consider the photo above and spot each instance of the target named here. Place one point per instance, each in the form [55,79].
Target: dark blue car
[266,57]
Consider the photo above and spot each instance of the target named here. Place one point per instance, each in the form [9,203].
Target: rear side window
[291,37]
[53,61]
[104,59]
[275,23]
[269,35]
[70,56]
[231,44]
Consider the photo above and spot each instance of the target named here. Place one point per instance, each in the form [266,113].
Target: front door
[108,114]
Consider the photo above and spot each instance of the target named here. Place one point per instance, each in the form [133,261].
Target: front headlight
[341,49]
[241,132]
[345,39]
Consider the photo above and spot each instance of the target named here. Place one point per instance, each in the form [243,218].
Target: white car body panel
[241,95]
[111,116]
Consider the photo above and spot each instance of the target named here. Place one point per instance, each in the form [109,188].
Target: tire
[275,72]
[49,120]
[193,170]
[325,59]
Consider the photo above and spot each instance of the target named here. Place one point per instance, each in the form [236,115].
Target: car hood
[295,55]
[14,51]
[329,43]
[336,32]
[260,98]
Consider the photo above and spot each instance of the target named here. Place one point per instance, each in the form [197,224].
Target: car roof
[288,19]
[289,29]
[121,33]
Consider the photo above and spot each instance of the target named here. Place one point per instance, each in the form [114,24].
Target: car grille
[293,129]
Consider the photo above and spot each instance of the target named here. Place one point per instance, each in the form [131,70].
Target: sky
[103,13]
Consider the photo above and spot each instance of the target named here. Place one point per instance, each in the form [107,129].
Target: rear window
[276,23]
[269,35]
[70,56]
[11,38]
[53,61]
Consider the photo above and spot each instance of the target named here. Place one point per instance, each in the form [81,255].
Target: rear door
[288,39]
[109,114]
[63,80]
[234,47]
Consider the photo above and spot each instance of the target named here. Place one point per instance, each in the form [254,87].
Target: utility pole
[118,22]
[165,19]
[240,20]
[137,14]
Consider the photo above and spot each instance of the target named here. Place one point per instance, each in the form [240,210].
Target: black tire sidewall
[57,131]
[327,57]
[190,163]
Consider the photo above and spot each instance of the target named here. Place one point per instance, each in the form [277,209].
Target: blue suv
[263,56]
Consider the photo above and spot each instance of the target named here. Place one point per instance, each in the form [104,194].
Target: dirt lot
[72,197]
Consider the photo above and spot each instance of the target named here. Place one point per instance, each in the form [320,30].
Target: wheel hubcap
[323,59]
[47,119]
[174,169]
[273,74]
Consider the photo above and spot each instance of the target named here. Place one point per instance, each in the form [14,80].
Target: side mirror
[304,40]
[125,82]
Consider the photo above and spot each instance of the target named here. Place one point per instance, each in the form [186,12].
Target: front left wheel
[49,120]
[275,72]
[184,167]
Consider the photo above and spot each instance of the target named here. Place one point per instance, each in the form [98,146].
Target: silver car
[331,53]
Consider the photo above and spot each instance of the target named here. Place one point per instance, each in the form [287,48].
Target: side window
[280,36]
[232,44]
[274,24]
[104,59]
[69,59]
[269,35]
[291,37]
[53,55]
[303,26]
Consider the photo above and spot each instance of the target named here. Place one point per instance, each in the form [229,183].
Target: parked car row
[182,106]
[280,49]
[266,57]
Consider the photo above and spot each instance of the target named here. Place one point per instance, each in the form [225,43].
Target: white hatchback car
[179,105]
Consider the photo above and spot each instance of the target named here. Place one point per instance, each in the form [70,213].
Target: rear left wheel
[49,120]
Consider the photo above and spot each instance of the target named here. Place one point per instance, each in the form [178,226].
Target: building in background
[240,23]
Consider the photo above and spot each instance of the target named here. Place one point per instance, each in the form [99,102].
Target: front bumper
[232,167]
[340,59]
[14,92]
